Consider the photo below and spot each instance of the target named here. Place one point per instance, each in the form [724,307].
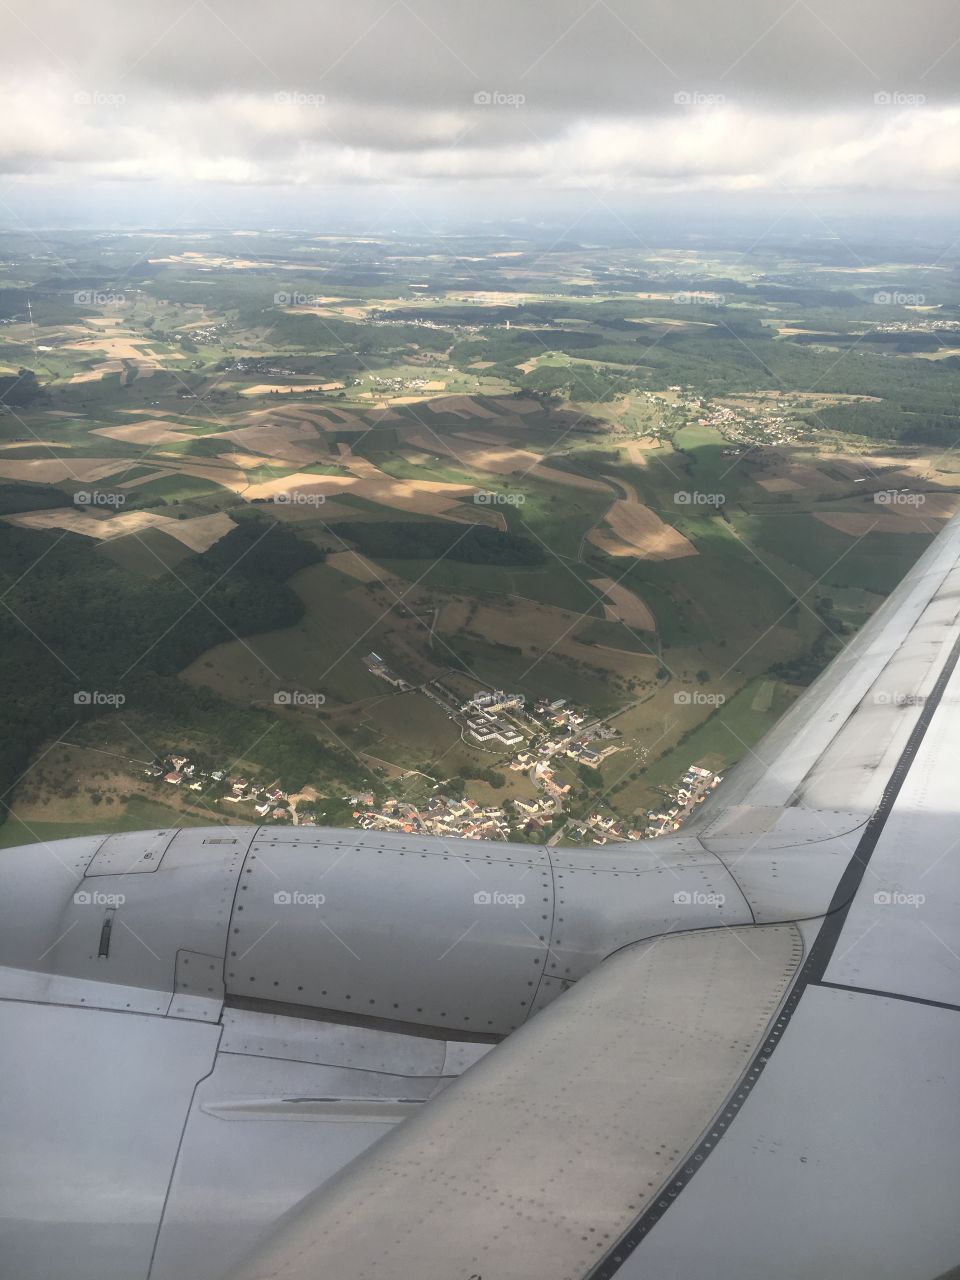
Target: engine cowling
[457,937]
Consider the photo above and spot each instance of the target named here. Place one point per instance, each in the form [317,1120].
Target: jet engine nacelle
[459,937]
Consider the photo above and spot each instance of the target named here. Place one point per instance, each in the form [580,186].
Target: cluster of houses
[916,326]
[570,733]
[269,803]
[763,428]
[440,816]
[495,716]
[692,789]
[393,385]
[205,335]
[382,318]
[546,733]
[601,829]
[262,366]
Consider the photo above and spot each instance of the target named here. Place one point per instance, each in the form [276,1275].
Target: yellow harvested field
[893,518]
[246,461]
[460,406]
[114,347]
[635,530]
[501,460]
[638,451]
[265,436]
[145,413]
[484,296]
[154,431]
[53,470]
[497,461]
[98,371]
[356,566]
[786,476]
[554,476]
[198,533]
[884,468]
[31,442]
[626,606]
[425,497]
[298,443]
[941,506]
[91,526]
[192,259]
[265,388]
[152,475]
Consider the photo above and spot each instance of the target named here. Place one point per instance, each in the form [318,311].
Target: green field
[136,814]
[584,357]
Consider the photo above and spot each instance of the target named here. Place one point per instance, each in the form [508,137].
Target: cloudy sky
[506,100]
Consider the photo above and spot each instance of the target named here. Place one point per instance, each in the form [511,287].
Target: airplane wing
[733,1052]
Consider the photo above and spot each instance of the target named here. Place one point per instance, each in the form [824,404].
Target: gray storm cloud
[607,94]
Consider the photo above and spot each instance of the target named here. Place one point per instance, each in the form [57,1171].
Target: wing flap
[533,1163]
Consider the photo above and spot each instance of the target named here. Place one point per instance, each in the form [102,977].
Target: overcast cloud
[748,96]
